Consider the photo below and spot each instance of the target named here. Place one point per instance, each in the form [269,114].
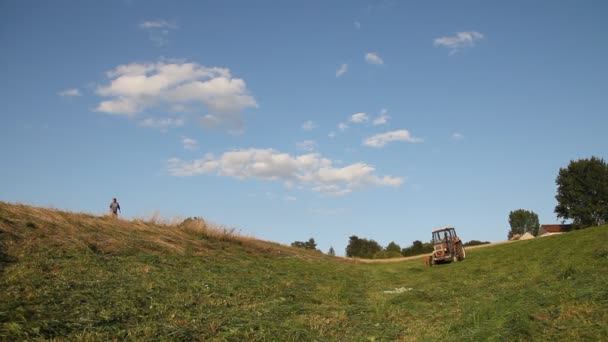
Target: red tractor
[447,247]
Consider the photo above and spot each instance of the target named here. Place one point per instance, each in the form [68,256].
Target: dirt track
[370,261]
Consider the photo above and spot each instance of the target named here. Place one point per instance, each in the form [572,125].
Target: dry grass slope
[110,236]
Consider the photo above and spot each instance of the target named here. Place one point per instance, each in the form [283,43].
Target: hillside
[82,277]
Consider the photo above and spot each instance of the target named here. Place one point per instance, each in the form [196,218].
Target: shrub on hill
[476,243]
[362,248]
[310,244]
[417,248]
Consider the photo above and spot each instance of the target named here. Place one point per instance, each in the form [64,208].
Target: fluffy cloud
[342,126]
[342,70]
[135,87]
[308,170]
[382,119]
[373,58]
[309,125]
[359,118]
[382,139]
[69,92]
[190,144]
[458,41]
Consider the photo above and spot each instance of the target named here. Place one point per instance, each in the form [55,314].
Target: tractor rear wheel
[460,252]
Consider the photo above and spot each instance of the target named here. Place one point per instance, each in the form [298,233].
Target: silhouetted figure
[114,208]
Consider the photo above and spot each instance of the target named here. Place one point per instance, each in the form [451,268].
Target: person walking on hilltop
[114,208]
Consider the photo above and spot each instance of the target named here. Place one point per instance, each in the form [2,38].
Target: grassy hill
[81,277]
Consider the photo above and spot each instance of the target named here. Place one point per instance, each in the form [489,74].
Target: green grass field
[69,276]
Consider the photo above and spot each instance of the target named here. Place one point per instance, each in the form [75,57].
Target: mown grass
[81,277]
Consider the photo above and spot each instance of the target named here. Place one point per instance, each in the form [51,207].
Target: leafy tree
[417,244]
[393,250]
[523,221]
[393,247]
[417,248]
[362,248]
[310,244]
[582,192]
[331,251]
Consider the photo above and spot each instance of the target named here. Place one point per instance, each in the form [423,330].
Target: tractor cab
[447,246]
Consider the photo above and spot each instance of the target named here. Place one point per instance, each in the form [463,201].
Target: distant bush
[417,248]
[476,243]
[393,247]
[362,248]
[310,244]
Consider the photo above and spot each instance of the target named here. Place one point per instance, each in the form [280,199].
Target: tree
[310,244]
[417,248]
[393,247]
[582,192]
[393,250]
[362,248]
[331,251]
[523,221]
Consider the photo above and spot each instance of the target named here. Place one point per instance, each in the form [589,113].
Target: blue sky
[291,120]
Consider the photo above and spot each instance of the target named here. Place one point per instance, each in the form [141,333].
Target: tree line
[370,249]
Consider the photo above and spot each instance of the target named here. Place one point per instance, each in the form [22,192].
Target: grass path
[421,256]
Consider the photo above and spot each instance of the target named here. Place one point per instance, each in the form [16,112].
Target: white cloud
[357,25]
[382,119]
[459,41]
[309,125]
[457,136]
[190,144]
[158,24]
[133,88]
[342,70]
[307,145]
[308,170]
[342,126]
[359,118]
[158,31]
[162,124]
[290,198]
[373,58]
[382,139]
[332,134]
[69,92]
